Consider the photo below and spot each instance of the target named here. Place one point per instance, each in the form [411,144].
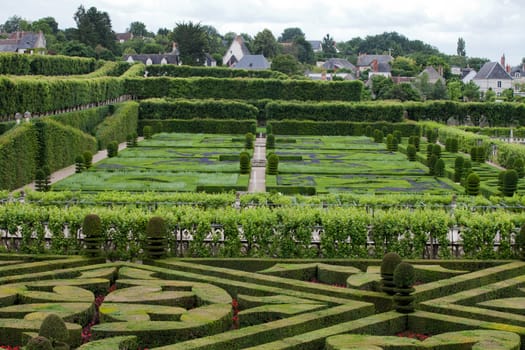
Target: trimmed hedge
[189,109]
[118,126]
[212,126]
[158,70]
[244,89]
[308,127]
[85,120]
[16,64]
[335,111]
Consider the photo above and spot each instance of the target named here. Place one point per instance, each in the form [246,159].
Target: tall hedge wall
[119,125]
[244,89]
[188,109]
[16,64]
[331,111]
[39,94]
[18,152]
[159,70]
[212,126]
[496,114]
[85,120]
[309,127]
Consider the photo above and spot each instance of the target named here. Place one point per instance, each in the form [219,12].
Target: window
[499,83]
[517,75]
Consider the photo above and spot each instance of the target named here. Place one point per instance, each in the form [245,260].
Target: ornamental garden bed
[261,304]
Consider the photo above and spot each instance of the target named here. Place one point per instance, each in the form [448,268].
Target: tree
[471,91]
[490,96]
[303,50]
[94,28]
[192,41]
[403,92]
[380,86]
[329,45]
[404,67]
[286,64]
[439,91]
[289,34]
[215,40]
[138,29]
[264,43]
[461,47]
[48,25]
[16,23]
[508,95]
[76,48]
[454,89]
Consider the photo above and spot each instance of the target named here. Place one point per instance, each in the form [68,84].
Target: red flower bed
[86,331]
[413,335]
[235,319]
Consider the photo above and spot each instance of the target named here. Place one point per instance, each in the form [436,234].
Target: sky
[490,28]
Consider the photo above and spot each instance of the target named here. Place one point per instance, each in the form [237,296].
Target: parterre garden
[147,259]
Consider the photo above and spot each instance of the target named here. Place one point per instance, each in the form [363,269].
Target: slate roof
[492,70]
[518,71]
[366,60]
[253,62]
[19,40]
[244,48]
[338,63]
[433,75]
[155,58]
[317,45]
[124,36]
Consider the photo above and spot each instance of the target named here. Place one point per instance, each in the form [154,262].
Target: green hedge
[6,126]
[335,111]
[496,114]
[118,126]
[308,127]
[212,126]
[85,120]
[159,70]
[243,89]
[39,94]
[189,109]
[16,64]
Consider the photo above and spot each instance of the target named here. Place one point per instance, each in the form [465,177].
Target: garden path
[258,174]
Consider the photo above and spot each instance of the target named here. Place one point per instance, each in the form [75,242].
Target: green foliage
[79,164]
[156,233]
[42,179]
[270,141]
[147,131]
[411,153]
[510,182]
[16,64]
[458,168]
[436,150]
[92,229]
[119,125]
[388,265]
[272,167]
[54,329]
[244,163]
[439,168]
[112,149]
[88,159]
[286,64]
[519,167]
[249,139]
[414,140]
[39,343]
[378,136]
[85,120]
[391,143]
[192,43]
[18,152]
[184,71]
[472,188]
[307,127]
[211,126]
[269,129]
[520,241]
[404,275]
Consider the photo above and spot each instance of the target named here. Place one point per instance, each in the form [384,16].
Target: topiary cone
[54,329]
[388,265]
[156,233]
[92,229]
[404,277]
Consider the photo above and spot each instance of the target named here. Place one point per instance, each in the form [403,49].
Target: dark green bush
[439,168]
[211,126]
[474,154]
[272,166]
[54,329]
[397,136]
[157,240]
[92,229]
[147,131]
[431,163]
[112,149]
[159,70]
[309,127]
[404,277]
[16,64]
[436,150]
[88,159]
[519,167]
[388,266]
[43,179]
[270,141]
[79,164]
[458,168]
[121,123]
[411,153]
[510,182]
[244,163]
[472,188]
[378,136]
[269,129]
[39,343]
[249,139]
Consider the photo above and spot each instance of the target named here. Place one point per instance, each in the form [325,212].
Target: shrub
[411,153]
[39,343]
[92,229]
[414,140]
[378,136]
[390,143]
[472,188]
[269,129]
[458,168]
[42,179]
[129,141]
[244,163]
[249,140]
[519,167]
[436,150]
[467,168]
[430,149]
[147,132]
[273,164]
[54,329]
[270,141]
[79,164]
[388,265]
[88,159]
[439,168]
[474,154]
[112,149]
[157,241]
[454,145]
[369,131]
[510,182]
[404,277]
[432,165]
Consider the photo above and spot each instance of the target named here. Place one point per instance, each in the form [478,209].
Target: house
[518,79]
[375,64]
[209,61]
[24,42]
[330,76]
[433,75]
[317,45]
[257,62]
[149,59]
[467,74]
[235,52]
[123,37]
[493,76]
[338,63]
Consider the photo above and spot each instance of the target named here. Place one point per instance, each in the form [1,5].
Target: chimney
[440,71]
[503,60]
[375,66]
[507,68]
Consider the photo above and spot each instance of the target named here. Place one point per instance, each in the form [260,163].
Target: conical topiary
[388,265]
[39,343]
[112,149]
[458,168]
[439,168]
[510,182]
[272,167]
[92,229]
[54,328]
[404,277]
[244,163]
[249,138]
[156,235]
[88,159]
[270,141]
[472,187]
[411,153]
[79,164]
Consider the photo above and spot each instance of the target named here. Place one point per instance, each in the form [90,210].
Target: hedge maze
[261,304]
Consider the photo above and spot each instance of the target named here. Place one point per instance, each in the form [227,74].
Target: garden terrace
[260,303]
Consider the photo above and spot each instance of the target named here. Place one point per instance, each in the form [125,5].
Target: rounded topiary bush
[244,163]
[269,129]
[430,148]
[272,166]
[369,131]
[270,141]
[388,265]
[156,235]
[88,159]
[249,140]
[397,136]
[432,164]
[414,140]
[147,131]
[92,229]
[436,150]
[404,277]
[112,149]
[378,136]
[472,188]
[454,145]
[458,168]
[39,343]
[474,154]
[79,164]
[519,167]
[439,168]
[510,182]
[411,153]
[54,328]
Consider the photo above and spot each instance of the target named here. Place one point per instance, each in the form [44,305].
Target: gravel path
[258,174]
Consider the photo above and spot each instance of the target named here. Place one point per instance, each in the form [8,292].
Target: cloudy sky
[489,27]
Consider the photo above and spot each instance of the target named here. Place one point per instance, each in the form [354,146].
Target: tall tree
[404,67]
[214,40]
[303,50]
[461,47]
[289,34]
[16,23]
[286,64]
[264,43]
[48,25]
[192,41]
[94,28]
[329,45]
[138,29]
[471,91]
